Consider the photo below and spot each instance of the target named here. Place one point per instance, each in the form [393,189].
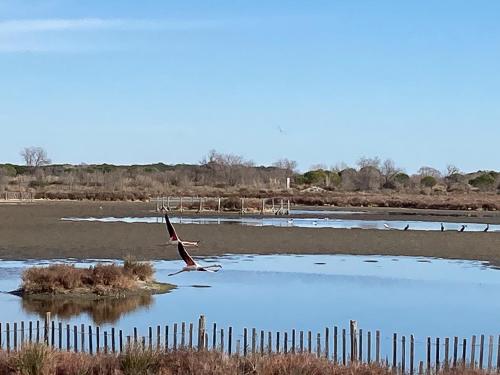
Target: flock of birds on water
[192,265]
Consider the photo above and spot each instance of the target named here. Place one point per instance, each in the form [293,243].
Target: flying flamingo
[191,265]
[174,239]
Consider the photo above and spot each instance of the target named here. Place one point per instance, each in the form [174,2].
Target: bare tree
[451,170]
[389,170]
[316,167]
[286,164]
[34,157]
[429,171]
[369,162]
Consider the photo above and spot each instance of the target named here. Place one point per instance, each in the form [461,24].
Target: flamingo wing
[170,228]
[184,255]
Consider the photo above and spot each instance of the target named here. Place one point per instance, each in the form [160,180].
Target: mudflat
[35,231]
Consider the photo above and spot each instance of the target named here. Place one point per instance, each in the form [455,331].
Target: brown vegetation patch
[38,359]
[101,279]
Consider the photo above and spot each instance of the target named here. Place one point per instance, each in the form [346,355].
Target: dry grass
[99,279]
[37,359]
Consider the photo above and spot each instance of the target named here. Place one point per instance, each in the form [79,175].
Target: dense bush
[486,181]
[428,181]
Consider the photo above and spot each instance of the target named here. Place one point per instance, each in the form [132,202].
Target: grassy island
[95,282]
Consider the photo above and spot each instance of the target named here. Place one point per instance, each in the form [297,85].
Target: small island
[99,281]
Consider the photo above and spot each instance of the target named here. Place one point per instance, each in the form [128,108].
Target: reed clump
[38,359]
[99,279]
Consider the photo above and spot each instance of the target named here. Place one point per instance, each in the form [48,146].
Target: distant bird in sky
[487,228]
[191,265]
[280,129]
[173,237]
[463,228]
[407,227]
[442,227]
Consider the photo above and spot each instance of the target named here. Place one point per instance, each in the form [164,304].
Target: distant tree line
[220,173]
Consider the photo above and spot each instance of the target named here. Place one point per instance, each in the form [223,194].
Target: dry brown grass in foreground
[40,360]
[98,279]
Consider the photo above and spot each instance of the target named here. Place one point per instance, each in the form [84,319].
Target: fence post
[309,342]
[360,345]
[285,342]
[428,354]
[403,354]
[455,351]
[22,334]
[82,337]
[7,333]
[293,341]
[335,344]
[464,352]
[230,340]
[75,338]
[318,345]
[490,354]
[481,352]
[394,350]
[262,342]
[327,342]
[214,338]
[91,344]
[254,340]
[222,341]
[269,342]
[473,352]
[245,342]
[15,336]
[344,359]
[278,341]
[412,354]
[354,342]
[446,352]
[175,338]
[46,328]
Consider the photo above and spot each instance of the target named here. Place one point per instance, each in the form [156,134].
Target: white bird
[387,226]
[290,221]
[191,265]
[174,238]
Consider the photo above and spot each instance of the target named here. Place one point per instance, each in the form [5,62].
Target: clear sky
[316,81]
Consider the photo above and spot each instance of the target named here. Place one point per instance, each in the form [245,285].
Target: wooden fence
[22,196]
[277,206]
[339,345]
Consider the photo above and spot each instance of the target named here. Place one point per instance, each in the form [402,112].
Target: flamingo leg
[175,273]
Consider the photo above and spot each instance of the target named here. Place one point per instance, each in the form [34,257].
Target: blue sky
[315,81]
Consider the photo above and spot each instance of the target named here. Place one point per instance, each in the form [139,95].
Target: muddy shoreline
[35,231]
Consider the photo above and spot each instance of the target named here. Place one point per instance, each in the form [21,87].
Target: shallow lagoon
[300,222]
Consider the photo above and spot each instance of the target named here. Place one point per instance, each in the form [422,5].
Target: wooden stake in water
[490,354]
[318,345]
[15,336]
[183,334]
[222,340]
[113,347]
[68,337]
[214,337]
[293,341]
[269,342]
[285,342]
[277,342]
[97,338]
[428,354]
[60,329]
[190,335]
[200,347]
[120,341]
[327,342]
[369,347]
[309,342]
[464,352]
[403,354]
[7,332]
[230,340]
[446,352]
[82,337]
[201,332]
[75,338]
[354,340]
[301,339]
[90,340]
[438,358]
[262,342]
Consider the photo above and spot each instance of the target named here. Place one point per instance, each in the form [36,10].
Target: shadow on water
[106,310]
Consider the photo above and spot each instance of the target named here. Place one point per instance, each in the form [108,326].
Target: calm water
[300,222]
[421,296]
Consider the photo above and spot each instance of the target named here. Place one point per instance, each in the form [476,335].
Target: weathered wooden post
[473,352]
[309,342]
[245,342]
[222,340]
[82,337]
[301,340]
[113,346]
[201,332]
[354,340]
[22,334]
[75,338]
[230,341]
[254,340]
[360,345]
[428,354]
[285,342]
[166,337]
[120,341]
[438,357]
[269,342]
[90,341]
[262,342]
[190,335]
[327,342]
[318,345]
[481,352]
[214,338]
[446,352]
[335,345]
[174,346]
[60,332]
[344,355]
[293,341]
[464,352]
[412,354]
[277,342]
[105,334]
[98,338]
[183,334]
[7,333]
[403,354]
[394,350]
[15,336]
[46,328]
[218,204]
[490,354]
[455,351]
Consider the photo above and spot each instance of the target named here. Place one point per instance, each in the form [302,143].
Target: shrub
[138,361]
[142,270]
[486,181]
[402,178]
[35,359]
[428,181]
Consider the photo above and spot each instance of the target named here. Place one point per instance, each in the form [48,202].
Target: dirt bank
[35,231]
